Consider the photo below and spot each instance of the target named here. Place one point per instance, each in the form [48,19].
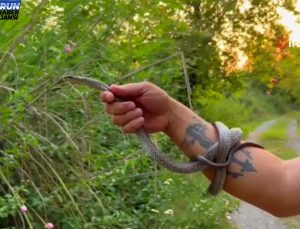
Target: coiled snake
[218,156]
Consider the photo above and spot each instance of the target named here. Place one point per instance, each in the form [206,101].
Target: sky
[289,20]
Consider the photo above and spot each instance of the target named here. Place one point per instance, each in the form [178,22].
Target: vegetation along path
[247,216]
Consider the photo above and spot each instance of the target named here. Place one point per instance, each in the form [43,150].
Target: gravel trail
[293,137]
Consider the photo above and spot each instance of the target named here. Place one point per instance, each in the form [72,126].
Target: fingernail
[140,120]
[131,105]
[139,111]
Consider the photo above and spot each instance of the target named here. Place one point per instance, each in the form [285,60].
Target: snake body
[218,156]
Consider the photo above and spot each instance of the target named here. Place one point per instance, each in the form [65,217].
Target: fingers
[133,125]
[126,90]
[131,89]
[115,108]
[125,114]
[119,108]
[107,97]
[131,121]
[121,120]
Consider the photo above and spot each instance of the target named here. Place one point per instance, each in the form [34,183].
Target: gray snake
[217,156]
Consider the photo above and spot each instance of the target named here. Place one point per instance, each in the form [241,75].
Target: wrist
[174,110]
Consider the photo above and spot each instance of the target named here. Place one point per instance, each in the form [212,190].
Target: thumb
[129,90]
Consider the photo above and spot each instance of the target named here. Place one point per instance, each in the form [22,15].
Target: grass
[277,131]
[279,149]
[252,125]
[274,139]
[189,196]
[292,222]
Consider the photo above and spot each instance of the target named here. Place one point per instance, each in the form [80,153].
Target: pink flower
[49,226]
[68,49]
[23,209]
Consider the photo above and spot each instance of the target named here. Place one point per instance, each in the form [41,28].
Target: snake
[218,156]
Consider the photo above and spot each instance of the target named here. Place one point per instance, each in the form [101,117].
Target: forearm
[255,175]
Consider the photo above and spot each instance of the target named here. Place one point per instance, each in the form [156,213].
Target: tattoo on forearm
[247,154]
[195,133]
[246,165]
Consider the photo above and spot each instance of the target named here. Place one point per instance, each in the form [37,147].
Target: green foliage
[292,222]
[9,206]
[277,132]
[187,198]
[278,148]
[289,73]
[243,109]
[230,110]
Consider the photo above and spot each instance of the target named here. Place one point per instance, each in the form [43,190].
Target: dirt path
[294,139]
[247,216]
[255,135]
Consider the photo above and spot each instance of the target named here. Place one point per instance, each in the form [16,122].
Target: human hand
[145,105]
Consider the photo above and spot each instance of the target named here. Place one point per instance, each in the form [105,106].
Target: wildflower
[49,226]
[169,212]
[23,209]
[168,181]
[228,217]
[68,48]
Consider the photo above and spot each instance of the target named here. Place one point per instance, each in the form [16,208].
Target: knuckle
[122,107]
[125,107]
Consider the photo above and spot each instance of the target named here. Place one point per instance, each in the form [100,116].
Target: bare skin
[255,175]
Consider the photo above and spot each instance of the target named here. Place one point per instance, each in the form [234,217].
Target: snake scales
[218,156]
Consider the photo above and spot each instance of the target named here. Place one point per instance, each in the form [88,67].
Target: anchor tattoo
[246,166]
[196,133]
